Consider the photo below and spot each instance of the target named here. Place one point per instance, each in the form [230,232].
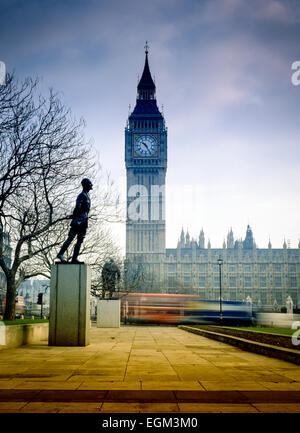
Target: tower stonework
[146,165]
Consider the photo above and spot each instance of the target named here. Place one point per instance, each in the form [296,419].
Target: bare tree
[44,155]
[138,278]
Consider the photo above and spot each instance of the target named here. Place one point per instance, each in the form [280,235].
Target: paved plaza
[145,369]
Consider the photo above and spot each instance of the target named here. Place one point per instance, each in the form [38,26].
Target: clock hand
[147,147]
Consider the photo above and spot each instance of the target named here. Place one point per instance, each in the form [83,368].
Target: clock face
[146,145]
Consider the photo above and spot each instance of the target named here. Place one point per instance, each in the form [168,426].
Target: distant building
[266,275]
[30,289]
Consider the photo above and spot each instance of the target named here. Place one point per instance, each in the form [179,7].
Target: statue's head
[86,184]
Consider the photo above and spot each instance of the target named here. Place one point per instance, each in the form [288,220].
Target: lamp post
[220,263]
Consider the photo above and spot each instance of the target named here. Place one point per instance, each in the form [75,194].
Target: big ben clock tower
[146,166]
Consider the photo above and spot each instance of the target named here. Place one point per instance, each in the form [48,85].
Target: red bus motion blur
[178,309]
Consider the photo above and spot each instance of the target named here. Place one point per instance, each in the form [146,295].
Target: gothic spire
[202,239]
[146,104]
[230,239]
[181,240]
[187,239]
[182,236]
[248,242]
[146,87]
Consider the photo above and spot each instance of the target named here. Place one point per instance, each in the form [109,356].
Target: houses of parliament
[267,275]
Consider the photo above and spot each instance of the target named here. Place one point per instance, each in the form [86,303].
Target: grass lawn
[283,331]
[23,321]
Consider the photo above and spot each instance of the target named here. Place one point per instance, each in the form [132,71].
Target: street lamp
[220,263]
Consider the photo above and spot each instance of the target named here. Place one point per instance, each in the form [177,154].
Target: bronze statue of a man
[110,273]
[79,222]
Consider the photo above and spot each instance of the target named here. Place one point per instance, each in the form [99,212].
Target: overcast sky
[223,75]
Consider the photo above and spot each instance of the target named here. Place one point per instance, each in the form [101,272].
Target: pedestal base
[69,323]
[108,313]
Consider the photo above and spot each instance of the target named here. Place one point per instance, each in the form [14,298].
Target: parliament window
[171,267]
[202,267]
[263,268]
[263,282]
[247,268]
[277,267]
[293,282]
[292,268]
[277,281]
[232,281]
[263,297]
[186,281]
[171,281]
[247,281]
[201,281]
[186,267]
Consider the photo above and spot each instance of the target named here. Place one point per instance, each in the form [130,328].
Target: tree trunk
[10,305]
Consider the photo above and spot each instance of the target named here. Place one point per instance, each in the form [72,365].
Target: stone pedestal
[69,323]
[108,313]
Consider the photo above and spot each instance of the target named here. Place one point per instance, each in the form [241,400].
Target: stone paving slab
[171,385]
[277,407]
[108,407]
[149,396]
[216,408]
[144,369]
[101,385]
